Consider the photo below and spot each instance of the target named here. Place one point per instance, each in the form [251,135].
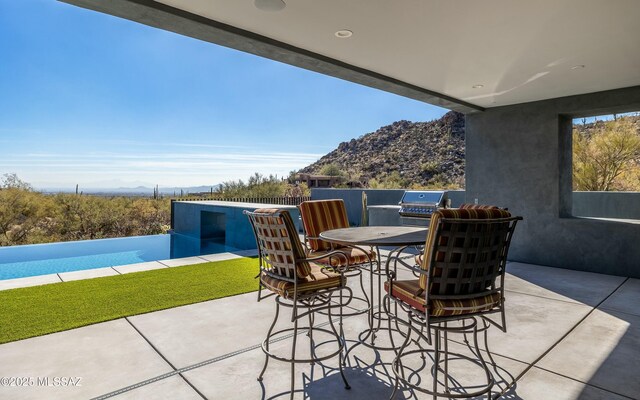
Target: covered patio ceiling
[462,55]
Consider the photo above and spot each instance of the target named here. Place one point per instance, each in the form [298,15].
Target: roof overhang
[464,56]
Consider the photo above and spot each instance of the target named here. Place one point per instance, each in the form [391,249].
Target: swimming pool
[51,258]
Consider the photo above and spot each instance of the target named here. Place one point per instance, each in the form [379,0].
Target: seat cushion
[322,215]
[319,278]
[354,255]
[406,291]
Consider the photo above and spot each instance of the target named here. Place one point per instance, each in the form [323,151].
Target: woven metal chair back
[280,249]
[466,251]
[322,215]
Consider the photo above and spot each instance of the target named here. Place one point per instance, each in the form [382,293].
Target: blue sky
[92,99]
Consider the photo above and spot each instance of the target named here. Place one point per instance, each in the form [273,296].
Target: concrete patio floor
[571,335]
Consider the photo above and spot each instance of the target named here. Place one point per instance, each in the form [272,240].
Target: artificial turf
[35,311]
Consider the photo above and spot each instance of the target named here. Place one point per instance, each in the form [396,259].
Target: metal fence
[282,200]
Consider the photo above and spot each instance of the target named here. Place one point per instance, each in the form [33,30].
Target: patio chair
[461,279]
[322,215]
[298,283]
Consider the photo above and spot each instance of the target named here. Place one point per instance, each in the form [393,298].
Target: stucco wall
[520,157]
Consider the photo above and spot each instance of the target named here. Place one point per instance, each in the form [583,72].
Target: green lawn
[35,311]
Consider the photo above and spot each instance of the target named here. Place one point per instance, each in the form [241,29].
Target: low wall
[220,218]
[189,216]
[621,205]
[375,197]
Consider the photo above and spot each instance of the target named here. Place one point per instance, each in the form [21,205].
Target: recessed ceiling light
[269,5]
[577,67]
[477,86]
[344,33]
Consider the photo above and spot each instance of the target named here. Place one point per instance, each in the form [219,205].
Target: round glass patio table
[398,237]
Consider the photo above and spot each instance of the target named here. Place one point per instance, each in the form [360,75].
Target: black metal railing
[280,200]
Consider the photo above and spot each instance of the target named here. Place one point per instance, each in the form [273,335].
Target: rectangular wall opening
[606,166]
[213,227]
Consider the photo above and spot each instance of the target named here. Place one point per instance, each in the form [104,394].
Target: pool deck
[571,335]
[120,269]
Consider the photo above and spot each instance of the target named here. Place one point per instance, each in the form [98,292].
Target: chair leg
[436,363]
[293,356]
[364,291]
[295,318]
[446,359]
[486,345]
[266,342]
[341,342]
[340,317]
[396,384]
[386,303]
[490,380]
[310,335]
[397,363]
[344,342]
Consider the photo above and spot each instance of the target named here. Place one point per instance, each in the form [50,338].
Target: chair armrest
[397,259]
[334,253]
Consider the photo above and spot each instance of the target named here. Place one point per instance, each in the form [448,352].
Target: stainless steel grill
[416,206]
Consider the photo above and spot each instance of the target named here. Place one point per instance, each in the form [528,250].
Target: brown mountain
[407,154]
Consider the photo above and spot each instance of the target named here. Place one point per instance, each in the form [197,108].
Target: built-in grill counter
[416,206]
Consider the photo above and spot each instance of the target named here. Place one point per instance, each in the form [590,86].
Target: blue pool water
[51,258]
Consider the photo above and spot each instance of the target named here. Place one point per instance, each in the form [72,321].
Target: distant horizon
[123,184]
[130,191]
[92,98]
[117,188]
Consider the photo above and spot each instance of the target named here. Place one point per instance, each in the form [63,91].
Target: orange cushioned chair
[297,282]
[323,215]
[461,279]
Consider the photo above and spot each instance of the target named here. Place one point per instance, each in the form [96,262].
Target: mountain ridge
[404,153]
